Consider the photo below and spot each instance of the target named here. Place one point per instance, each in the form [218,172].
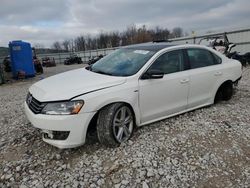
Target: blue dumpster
[21,58]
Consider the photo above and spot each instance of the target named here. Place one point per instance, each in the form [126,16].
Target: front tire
[115,124]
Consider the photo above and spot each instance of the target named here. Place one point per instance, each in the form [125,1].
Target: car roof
[150,46]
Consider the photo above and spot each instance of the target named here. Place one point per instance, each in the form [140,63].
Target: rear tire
[225,92]
[115,124]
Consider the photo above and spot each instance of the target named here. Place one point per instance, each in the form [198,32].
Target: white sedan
[133,86]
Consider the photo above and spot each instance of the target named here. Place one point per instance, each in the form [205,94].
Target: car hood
[70,84]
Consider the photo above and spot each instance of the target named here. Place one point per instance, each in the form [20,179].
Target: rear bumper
[77,126]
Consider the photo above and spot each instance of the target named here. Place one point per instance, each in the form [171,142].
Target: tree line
[132,35]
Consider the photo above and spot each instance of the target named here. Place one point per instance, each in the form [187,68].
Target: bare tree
[66,44]
[57,46]
[177,32]
[38,45]
[159,33]
[115,39]
[71,45]
[143,35]
[103,40]
[131,35]
[80,43]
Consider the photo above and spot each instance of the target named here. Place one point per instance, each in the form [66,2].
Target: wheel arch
[93,121]
[228,81]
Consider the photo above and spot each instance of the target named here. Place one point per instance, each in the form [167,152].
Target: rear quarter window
[202,58]
[217,59]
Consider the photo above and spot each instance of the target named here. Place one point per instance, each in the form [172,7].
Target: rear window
[201,58]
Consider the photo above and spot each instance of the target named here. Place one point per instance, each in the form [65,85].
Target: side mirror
[152,74]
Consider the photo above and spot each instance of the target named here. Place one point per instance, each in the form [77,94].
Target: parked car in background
[48,62]
[74,59]
[95,59]
[133,86]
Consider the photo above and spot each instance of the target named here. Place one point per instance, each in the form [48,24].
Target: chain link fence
[84,55]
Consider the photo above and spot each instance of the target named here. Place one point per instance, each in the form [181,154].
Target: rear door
[205,72]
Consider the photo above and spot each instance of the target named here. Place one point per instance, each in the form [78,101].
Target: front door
[162,97]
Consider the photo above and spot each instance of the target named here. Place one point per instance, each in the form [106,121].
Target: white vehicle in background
[218,42]
[133,86]
[221,44]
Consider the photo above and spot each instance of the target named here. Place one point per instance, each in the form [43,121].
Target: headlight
[63,108]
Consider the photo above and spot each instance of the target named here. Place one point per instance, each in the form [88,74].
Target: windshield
[122,62]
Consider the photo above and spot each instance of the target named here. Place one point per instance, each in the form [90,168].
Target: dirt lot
[209,147]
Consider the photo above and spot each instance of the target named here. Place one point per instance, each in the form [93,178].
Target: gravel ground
[208,147]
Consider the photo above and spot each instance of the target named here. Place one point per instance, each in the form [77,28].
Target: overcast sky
[46,21]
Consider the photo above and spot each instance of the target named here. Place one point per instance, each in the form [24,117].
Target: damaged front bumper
[62,131]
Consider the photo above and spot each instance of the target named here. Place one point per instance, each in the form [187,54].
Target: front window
[169,62]
[122,62]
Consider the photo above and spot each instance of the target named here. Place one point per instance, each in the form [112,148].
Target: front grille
[34,105]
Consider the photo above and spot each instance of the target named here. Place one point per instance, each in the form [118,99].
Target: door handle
[183,81]
[218,73]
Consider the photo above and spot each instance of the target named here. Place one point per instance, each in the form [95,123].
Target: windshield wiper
[89,67]
[101,72]
[98,71]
